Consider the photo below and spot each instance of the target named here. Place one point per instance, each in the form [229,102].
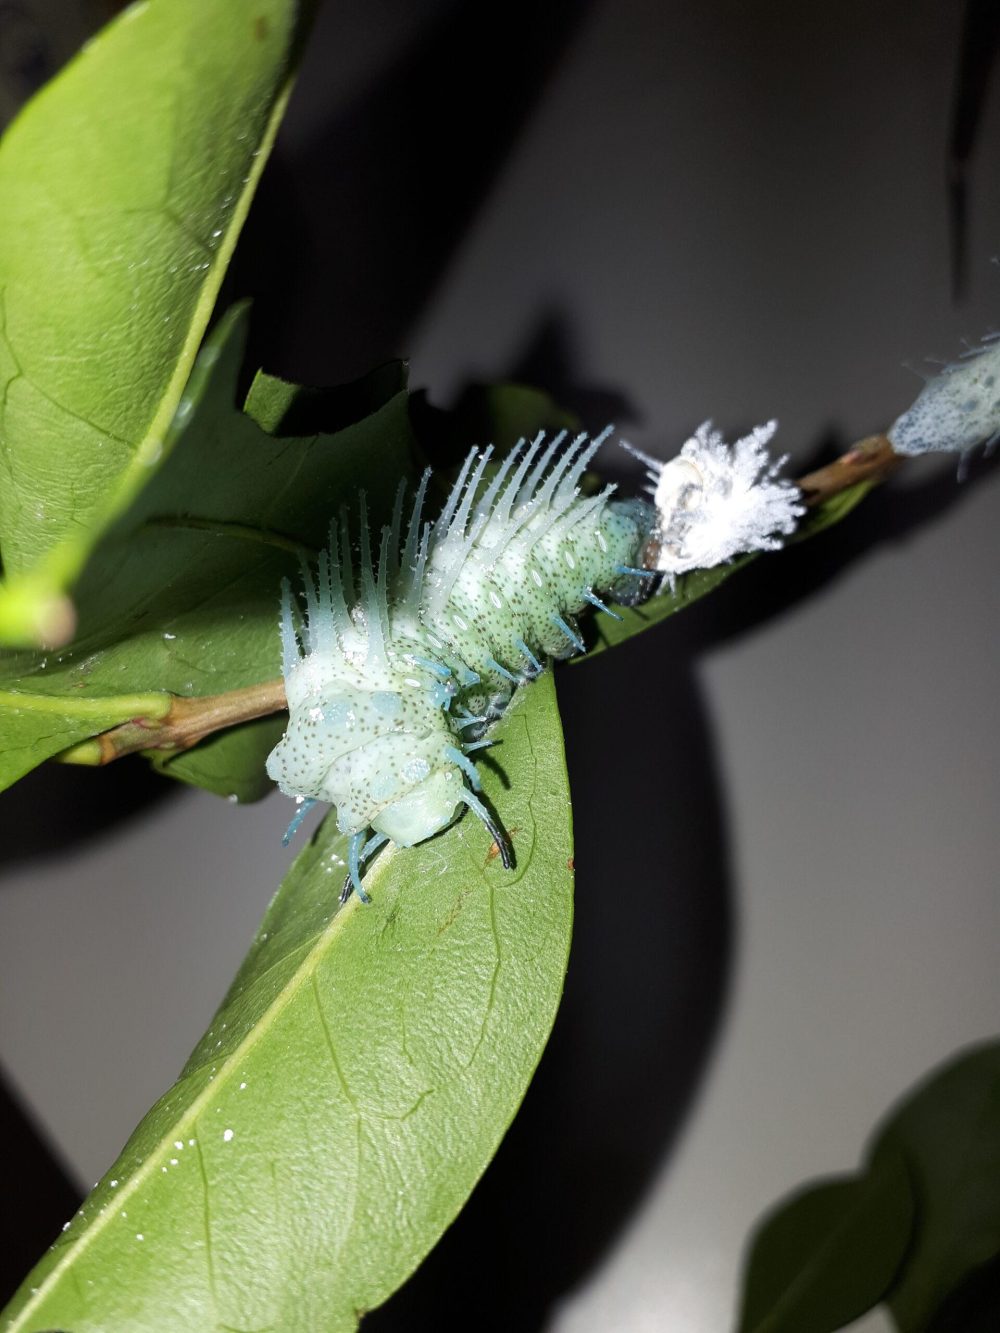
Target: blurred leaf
[181,595]
[700,582]
[973,1306]
[125,183]
[949,1131]
[352,1087]
[829,1254]
[919,1229]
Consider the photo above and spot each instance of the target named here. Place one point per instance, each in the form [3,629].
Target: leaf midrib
[155,703]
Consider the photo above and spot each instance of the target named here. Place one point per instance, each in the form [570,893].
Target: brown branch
[189,721]
[871,459]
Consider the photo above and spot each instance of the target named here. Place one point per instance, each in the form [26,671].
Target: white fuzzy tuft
[716,500]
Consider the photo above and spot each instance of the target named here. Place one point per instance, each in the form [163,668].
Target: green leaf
[688,588]
[831,511]
[699,583]
[125,183]
[281,408]
[37,725]
[949,1131]
[351,1089]
[181,595]
[230,763]
[920,1229]
[830,1253]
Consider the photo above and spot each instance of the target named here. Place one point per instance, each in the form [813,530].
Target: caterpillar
[957,409]
[402,660]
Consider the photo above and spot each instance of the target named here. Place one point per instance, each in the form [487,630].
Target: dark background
[783,799]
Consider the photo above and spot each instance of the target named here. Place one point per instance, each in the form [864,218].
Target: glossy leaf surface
[125,183]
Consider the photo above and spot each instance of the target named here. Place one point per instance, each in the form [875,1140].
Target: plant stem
[188,721]
[871,459]
[185,723]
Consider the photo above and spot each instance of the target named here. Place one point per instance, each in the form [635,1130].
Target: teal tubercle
[402,664]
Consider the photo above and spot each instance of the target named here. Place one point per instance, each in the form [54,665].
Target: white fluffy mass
[718,500]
